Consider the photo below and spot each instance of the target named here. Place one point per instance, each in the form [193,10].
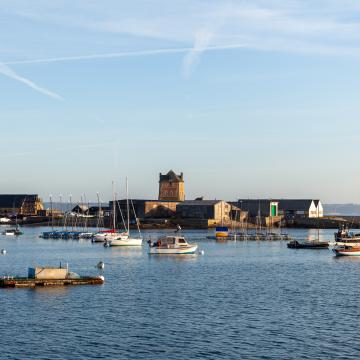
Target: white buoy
[201,252]
[3,252]
[100,265]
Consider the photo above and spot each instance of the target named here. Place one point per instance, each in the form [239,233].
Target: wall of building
[222,211]
[320,210]
[195,211]
[312,213]
[159,209]
[171,191]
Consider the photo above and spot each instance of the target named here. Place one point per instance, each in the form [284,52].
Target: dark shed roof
[296,204]
[198,203]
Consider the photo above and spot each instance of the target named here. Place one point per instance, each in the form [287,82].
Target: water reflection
[173,257]
[126,252]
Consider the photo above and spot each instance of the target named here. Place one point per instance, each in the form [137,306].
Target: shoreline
[327,222]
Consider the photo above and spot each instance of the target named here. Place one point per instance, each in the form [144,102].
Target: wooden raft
[29,282]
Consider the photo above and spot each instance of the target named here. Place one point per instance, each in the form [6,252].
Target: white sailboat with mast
[125,239]
[111,234]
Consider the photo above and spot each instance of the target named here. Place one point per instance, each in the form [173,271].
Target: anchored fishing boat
[346,250]
[172,245]
[345,237]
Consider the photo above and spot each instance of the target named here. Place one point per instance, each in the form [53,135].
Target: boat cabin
[171,241]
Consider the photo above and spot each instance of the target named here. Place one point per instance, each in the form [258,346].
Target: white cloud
[7,71]
[192,59]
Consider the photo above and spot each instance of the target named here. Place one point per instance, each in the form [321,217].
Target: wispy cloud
[129,54]
[192,59]
[7,71]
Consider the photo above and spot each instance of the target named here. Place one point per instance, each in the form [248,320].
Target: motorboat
[346,250]
[172,245]
[12,232]
[315,244]
[4,220]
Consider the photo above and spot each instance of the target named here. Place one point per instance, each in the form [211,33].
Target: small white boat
[124,240]
[172,245]
[12,232]
[345,250]
[4,220]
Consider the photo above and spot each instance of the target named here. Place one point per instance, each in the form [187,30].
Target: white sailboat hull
[102,237]
[126,241]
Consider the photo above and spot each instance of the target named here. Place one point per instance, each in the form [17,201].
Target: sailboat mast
[127,205]
[113,190]
[52,213]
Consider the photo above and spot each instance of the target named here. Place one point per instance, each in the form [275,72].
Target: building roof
[15,200]
[199,202]
[81,207]
[138,201]
[284,204]
[296,204]
[171,176]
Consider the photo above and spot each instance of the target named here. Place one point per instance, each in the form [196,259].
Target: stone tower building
[171,187]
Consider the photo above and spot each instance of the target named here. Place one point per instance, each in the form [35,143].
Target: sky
[249,99]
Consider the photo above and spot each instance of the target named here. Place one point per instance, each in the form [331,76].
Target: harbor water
[239,300]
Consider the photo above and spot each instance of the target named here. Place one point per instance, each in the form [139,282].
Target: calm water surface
[240,300]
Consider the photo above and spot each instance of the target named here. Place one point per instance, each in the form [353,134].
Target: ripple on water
[240,300]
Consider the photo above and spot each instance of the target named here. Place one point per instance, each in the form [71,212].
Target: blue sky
[247,98]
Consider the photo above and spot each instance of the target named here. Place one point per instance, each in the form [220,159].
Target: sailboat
[110,234]
[125,239]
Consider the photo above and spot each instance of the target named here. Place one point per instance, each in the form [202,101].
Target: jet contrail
[7,71]
[124,54]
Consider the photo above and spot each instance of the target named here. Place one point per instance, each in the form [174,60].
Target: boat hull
[355,243]
[308,245]
[183,250]
[106,236]
[126,241]
[346,251]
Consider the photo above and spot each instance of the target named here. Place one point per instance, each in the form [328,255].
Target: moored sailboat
[124,239]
